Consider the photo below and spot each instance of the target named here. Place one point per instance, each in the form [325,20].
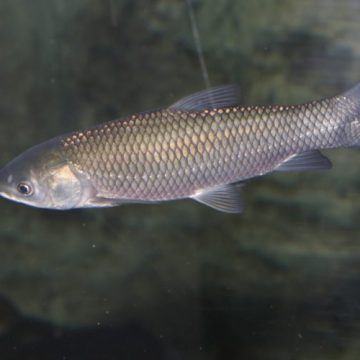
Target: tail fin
[354,94]
[352,127]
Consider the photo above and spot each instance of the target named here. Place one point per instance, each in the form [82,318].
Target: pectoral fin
[99,201]
[224,198]
[306,161]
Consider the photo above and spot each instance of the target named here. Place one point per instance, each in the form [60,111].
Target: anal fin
[307,161]
[224,198]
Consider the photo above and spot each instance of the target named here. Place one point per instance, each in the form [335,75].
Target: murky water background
[178,280]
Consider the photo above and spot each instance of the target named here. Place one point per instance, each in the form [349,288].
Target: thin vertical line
[113,13]
[198,46]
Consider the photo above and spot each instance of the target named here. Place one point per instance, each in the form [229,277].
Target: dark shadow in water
[232,326]
[27,339]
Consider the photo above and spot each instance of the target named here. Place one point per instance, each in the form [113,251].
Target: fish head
[42,177]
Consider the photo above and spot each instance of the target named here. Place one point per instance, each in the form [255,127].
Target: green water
[178,280]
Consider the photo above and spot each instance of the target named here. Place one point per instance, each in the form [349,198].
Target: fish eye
[24,189]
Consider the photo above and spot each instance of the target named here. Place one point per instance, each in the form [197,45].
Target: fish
[203,147]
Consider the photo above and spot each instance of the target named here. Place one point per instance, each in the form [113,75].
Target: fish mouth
[5,181]
[4,195]
[10,197]
[7,196]
[7,191]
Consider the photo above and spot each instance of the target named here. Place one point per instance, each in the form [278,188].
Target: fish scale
[147,157]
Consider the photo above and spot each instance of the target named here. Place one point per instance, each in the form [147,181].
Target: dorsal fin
[217,97]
